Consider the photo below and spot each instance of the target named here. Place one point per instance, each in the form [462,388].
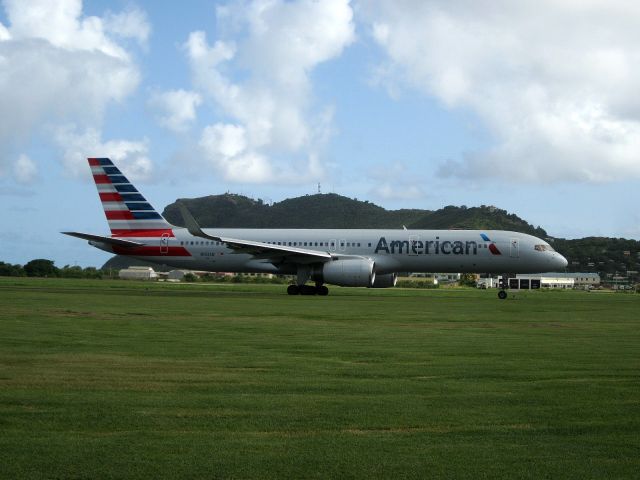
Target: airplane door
[164,244]
[515,248]
[343,245]
[413,244]
[332,244]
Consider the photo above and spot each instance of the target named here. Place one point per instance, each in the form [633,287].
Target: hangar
[138,273]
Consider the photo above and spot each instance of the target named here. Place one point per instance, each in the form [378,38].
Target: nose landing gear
[503,284]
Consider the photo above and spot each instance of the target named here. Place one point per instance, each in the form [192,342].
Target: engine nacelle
[350,272]
[385,281]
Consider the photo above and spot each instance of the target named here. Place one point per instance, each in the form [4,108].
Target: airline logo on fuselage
[433,247]
[492,246]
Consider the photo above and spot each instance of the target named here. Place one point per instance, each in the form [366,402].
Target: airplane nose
[562,262]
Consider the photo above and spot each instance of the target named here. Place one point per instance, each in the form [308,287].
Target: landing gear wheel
[307,290]
[502,294]
[293,290]
[322,290]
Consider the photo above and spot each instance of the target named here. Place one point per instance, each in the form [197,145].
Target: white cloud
[132,23]
[388,191]
[61,24]
[276,47]
[395,182]
[554,82]
[4,33]
[130,156]
[176,109]
[226,146]
[25,170]
[225,140]
[57,66]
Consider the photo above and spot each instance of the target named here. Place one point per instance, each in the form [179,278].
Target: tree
[92,272]
[41,267]
[190,277]
[467,280]
[8,270]
[71,272]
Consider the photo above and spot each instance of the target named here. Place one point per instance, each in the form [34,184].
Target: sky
[531,106]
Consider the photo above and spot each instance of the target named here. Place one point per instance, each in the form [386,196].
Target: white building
[437,278]
[554,280]
[138,273]
[585,279]
[488,282]
[177,275]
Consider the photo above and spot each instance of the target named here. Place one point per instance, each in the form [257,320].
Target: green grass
[110,379]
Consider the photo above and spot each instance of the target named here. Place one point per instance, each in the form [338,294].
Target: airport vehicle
[345,257]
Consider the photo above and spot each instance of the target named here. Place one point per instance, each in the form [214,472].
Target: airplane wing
[259,250]
[267,250]
[99,238]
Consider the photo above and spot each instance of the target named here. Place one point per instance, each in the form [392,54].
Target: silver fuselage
[468,251]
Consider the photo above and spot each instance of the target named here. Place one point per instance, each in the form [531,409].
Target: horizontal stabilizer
[102,239]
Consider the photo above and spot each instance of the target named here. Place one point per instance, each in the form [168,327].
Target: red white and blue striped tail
[128,212]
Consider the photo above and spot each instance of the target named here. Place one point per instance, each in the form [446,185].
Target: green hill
[335,211]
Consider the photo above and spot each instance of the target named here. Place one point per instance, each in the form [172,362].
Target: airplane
[344,257]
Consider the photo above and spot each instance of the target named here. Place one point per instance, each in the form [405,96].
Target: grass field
[109,379]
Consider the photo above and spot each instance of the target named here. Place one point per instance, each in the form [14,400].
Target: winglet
[192,225]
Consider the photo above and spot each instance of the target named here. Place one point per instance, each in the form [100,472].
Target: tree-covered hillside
[335,211]
[477,218]
[601,254]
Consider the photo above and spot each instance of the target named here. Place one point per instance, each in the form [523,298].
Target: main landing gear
[300,288]
[307,290]
[502,294]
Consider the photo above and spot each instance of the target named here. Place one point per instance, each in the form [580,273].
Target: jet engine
[350,272]
[385,281]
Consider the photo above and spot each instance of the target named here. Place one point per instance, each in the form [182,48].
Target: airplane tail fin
[127,211]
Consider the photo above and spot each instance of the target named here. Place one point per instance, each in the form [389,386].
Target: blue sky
[528,106]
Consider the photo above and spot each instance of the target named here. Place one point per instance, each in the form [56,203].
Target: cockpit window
[544,248]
